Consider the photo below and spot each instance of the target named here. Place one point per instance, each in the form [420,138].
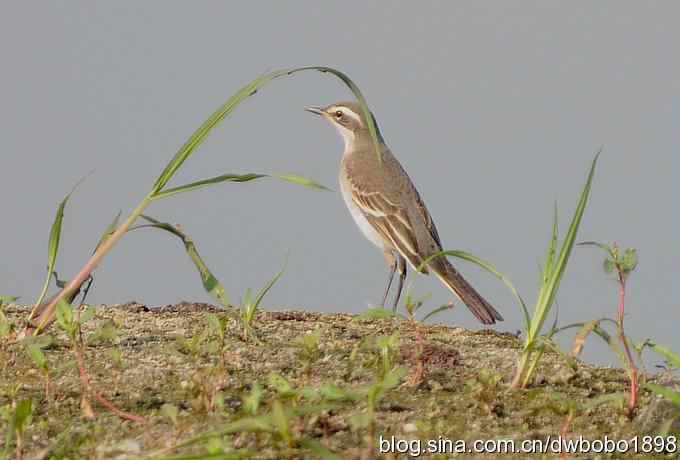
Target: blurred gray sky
[494,108]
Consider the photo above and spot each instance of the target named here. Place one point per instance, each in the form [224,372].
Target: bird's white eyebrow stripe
[351,113]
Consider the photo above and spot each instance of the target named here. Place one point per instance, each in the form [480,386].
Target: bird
[389,211]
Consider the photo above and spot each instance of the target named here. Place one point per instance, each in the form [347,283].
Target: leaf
[210,283]
[263,292]
[299,180]
[207,183]
[672,358]
[53,245]
[604,399]
[64,315]
[667,393]
[106,331]
[318,450]
[22,415]
[549,290]
[358,422]
[281,422]
[605,247]
[335,393]
[109,230]
[368,117]
[170,411]
[280,385]
[236,99]
[37,356]
[391,380]
[580,339]
[486,266]
[552,248]
[214,323]
[630,259]
[5,299]
[251,403]
[247,300]
[436,311]
[206,127]
[87,315]
[5,325]
[609,262]
[378,313]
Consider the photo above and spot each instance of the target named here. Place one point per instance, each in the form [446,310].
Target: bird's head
[348,119]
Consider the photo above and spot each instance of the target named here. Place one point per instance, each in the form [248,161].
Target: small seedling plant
[308,350]
[17,417]
[673,364]
[6,328]
[621,263]
[251,306]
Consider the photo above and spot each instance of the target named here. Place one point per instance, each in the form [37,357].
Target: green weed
[251,305]
[621,264]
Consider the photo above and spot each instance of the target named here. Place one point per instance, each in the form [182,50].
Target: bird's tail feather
[479,307]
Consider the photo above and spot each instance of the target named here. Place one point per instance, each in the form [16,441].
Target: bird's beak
[316,110]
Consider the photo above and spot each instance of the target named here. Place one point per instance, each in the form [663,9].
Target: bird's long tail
[479,307]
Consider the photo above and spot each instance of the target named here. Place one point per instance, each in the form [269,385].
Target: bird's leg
[392,262]
[402,277]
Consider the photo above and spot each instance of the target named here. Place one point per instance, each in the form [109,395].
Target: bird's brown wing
[427,218]
[391,221]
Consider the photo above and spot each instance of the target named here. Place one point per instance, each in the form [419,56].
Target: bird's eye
[338,114]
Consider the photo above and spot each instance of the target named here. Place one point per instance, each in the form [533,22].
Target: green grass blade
[109,230]
[207,183]
[672,358]
[552,248]
[202,132]
[210,283]
[368,117]
[53,245]
[281,423]
[318,450]
[602,246]
[235,100]
[436,311]
[7,299]
[263,292]
[667,393]
[38,357]
[379,313]
[549,290]
[489,268]
[299,180]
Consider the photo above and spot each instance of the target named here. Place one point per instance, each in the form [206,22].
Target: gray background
[494,108]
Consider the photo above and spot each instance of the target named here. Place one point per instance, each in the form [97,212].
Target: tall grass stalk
[43,315]
[550,282]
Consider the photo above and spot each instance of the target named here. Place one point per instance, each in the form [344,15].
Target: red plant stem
[622,336]
[563,433]
[85,379]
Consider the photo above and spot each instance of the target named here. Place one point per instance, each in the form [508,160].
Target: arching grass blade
[299,180]
[486,266]
[211,284]
[207,183]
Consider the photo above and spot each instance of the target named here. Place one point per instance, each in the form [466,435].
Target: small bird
[389,211]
